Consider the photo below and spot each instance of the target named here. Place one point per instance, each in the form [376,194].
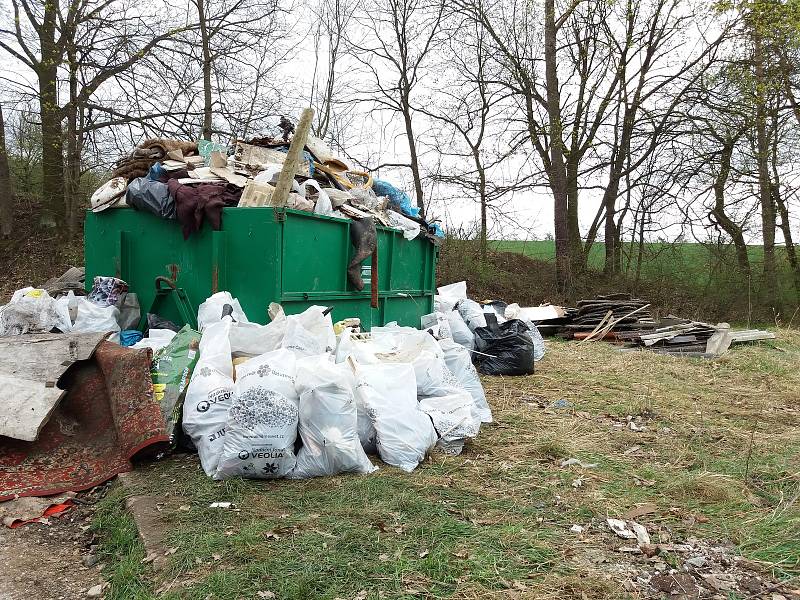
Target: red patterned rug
[107,418]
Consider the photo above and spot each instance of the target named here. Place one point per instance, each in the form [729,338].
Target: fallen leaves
[385,527]
[640,511]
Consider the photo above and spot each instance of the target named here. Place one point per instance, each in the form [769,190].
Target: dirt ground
[48,561]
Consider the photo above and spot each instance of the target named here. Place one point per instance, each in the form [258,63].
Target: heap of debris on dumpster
[192,182]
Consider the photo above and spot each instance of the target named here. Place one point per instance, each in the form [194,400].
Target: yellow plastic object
[340,326]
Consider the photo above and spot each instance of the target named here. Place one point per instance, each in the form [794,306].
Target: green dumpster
[298,260]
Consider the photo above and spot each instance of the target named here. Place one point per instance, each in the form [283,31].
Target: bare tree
[473,134]
[227,32]
[395,46]
[6,199]
[99,40]
[333,19]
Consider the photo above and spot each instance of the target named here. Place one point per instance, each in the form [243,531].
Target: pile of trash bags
[499,344]
[107,308]
[293,399]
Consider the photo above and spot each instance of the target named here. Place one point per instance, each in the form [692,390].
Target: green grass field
[702,270]
[715,458]
[698,261]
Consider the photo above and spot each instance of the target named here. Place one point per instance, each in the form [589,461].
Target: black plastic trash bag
[152,196]
[506,349]
[157,322]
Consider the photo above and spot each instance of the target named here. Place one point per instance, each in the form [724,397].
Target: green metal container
[297,261]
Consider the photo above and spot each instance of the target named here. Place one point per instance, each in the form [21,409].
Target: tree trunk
[762,152]
[558,179]
[206,45]
[577,256]
[640,250]
[50,114]
[412,150]
[783,211]
[484,220]
[719,214]
[610,231]
[791,252]
[6,199]
[72,171]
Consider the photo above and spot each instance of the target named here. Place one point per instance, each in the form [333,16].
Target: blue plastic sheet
[129,337]
[398,199]
[155,172]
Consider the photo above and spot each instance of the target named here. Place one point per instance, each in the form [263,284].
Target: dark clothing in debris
[202,201]
[178,174]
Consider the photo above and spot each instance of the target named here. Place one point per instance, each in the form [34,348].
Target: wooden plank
[284,184]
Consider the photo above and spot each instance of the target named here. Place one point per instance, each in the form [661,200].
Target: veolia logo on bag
[245,454]
[214,396]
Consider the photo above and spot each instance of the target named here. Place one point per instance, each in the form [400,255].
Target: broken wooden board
[751,335]
[30,367]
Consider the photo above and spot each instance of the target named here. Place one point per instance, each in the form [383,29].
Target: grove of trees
[635,119]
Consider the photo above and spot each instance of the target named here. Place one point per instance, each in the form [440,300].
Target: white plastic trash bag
[453,293]
[538,341]
[409,228]
[310,333]
[459,330]
[437,325]
[328,423]
[63,305]
[388,393]
[472,313]
[252,339]
[363,350]
[156,340]
[453,415]
[33,310]
[212,309]
[210,395]
[262,421]
[459,363]
[442,305]
[323,205]
[423,352]
[92,318]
